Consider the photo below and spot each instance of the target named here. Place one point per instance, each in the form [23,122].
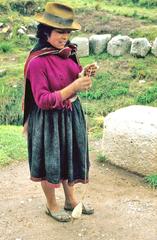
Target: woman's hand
[90,70]
[82,84]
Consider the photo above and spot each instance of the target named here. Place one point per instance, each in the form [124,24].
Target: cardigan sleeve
[44,98]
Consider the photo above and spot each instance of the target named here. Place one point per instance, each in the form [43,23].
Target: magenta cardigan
[48,75]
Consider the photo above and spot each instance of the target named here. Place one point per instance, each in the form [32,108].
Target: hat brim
[74,26]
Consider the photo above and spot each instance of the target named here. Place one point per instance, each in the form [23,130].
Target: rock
[6,29]
[140,47]
[142,81]
[1,24]
[130,139]
[98,43]
[32,37]
[3,72]
[83,46]
[154,48]
[24,28]
[5,32]
[33,26]
[119,45]
[20,31]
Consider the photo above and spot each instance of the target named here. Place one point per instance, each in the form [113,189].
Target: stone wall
[115,46]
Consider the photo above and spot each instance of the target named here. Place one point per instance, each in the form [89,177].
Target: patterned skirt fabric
[57,145]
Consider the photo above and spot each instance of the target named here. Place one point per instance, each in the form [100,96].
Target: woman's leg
[69,194]
[50,196]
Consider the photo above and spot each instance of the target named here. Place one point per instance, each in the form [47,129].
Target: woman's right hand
[82,84]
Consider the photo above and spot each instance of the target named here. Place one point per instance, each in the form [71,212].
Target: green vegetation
[12,145]
[151,180]
[5,47]
[101,158]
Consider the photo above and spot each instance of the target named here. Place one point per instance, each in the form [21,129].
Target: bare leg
[69,194]
[50,196]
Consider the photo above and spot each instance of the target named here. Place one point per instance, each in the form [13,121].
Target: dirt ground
[125,207]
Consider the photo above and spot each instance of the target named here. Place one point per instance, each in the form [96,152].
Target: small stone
[32,36]
[21,31]
[80,235]
[3,72]
[30,200]
[6,29]
[24,28]
[142,81]
[22,202]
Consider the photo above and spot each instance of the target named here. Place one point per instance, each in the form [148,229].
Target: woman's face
[58,38]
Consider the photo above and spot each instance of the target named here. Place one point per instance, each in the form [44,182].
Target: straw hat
[58,15]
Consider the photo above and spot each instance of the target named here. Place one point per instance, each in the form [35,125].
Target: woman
[57,144]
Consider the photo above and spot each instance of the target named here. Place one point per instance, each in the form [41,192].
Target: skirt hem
[57,185]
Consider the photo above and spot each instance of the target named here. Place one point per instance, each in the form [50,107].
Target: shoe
[86,209]
[60,216]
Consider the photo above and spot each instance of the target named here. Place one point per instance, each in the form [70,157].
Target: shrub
[5,47]
[149,96]
[101,158]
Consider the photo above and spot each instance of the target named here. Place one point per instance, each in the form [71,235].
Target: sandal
[86,209]
[60,216]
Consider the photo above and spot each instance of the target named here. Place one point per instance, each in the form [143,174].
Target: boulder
[140,47]
[154,47]
[98,43]
[130,139]
[119,45]
[83,46]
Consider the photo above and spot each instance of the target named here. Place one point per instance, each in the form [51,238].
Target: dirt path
[125,208]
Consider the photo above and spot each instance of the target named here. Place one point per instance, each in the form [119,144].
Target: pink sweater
[48,75]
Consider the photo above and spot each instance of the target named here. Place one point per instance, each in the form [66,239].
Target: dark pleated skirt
[57,145]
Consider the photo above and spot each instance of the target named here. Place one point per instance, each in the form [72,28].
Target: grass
[101,158]
[123,10]
[12,145]
[149,32]
[5,47]
[151,180]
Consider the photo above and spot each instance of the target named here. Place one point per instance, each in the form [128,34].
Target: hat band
[57,19]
